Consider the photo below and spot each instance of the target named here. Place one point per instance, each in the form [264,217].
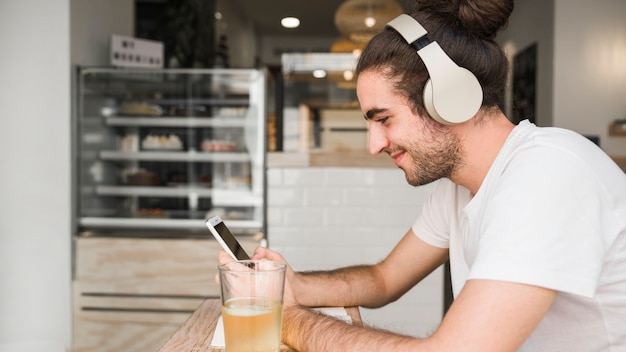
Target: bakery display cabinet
[156,152]
[161,150]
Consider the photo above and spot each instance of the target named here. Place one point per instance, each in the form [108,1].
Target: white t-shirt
[551,212]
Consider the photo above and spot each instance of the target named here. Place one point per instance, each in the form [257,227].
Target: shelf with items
[190,122]
[219,197]
[170,148]
[185,156]
[163,224]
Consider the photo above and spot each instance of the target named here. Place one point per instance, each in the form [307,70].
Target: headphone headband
[453,94]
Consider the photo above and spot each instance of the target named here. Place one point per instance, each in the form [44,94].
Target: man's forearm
[308,330]
[351,286]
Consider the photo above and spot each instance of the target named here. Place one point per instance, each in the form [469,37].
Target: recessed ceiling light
[290,22]
[319,73]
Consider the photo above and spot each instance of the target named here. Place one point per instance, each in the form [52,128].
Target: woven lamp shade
[345,45]
[360,20]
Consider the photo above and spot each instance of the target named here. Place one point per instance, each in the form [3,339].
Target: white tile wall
[324,218]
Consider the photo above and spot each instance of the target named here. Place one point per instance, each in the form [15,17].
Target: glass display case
[162,150]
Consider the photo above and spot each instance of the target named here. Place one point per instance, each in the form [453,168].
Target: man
[533,220]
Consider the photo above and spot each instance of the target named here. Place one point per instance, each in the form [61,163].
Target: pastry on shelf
[129,143]
[140,109]
[232,111]
[226,213]
[235,215]
[143,178]
[218,211]
[153,213]
[160,142]
[178,179]
[195,110]
[204,180]
[238,182]
[217,145]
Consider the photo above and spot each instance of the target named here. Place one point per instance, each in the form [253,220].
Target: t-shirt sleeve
[433,224]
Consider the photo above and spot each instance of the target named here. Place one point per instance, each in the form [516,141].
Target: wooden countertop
[196,333]
[328,159]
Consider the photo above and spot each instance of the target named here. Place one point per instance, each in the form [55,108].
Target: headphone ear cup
[457,91]
[458,97]
[429,105]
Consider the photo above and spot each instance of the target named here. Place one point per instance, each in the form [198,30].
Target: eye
[382,120]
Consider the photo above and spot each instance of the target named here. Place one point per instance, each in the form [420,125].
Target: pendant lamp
[360,20]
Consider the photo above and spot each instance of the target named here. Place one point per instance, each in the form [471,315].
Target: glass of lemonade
[252,304]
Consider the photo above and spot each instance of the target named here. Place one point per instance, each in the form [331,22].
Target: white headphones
[452,95]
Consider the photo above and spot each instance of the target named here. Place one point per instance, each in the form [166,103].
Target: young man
[533,220]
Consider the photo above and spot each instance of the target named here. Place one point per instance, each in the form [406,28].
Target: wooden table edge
[196,333]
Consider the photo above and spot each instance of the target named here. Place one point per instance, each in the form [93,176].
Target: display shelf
[189,122]
[153,191]
[163,224]
[220,197]
[177,143]
[184,156]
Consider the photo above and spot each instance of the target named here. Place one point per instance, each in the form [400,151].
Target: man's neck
[481,144]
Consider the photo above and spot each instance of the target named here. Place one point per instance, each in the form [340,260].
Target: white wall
[581,64]
[590,68]
[35,199]
[328,217]
[35,269]
[272,47]
[93,23]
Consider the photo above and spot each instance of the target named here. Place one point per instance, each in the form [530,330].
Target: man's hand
[262,253]
[222,258]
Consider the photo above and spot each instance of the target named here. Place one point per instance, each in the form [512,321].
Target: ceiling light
[319,73]
[290,22]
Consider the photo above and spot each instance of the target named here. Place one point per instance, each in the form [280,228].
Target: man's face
[425,149]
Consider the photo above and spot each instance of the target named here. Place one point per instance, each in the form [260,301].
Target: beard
[436,156]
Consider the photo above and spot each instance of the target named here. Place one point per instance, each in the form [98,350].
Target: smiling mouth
[397,156]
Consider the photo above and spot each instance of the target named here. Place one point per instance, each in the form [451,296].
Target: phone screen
[229,240]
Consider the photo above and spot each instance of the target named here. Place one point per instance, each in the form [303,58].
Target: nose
[377,139]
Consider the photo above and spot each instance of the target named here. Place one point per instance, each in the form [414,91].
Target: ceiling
[317,17]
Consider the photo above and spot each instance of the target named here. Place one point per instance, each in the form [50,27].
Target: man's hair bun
[483,18]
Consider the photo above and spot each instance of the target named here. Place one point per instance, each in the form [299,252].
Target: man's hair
[465,29]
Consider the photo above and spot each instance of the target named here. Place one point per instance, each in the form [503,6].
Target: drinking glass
[252,304]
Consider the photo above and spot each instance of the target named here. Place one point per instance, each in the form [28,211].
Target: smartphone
[226,239]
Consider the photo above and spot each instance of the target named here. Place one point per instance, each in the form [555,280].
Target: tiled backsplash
[327,217]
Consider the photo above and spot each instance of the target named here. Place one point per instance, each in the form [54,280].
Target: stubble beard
[436,159]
